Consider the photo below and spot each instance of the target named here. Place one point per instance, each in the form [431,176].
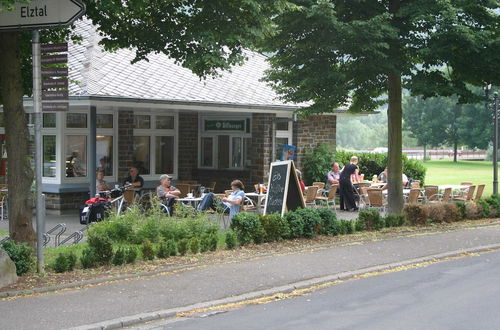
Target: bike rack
[76,236]
[62,229]
[5,239]
[46,239]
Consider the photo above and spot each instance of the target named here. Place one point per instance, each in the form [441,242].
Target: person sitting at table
[100,183]
[333,176]
[230,204]
[382,177]
[134,179]
[346,189]
[301,182]
[166,192]
[404,179]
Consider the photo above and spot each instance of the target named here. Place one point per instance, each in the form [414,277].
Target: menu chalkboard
[283,192]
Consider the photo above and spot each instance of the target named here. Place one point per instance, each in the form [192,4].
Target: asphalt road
[457,294]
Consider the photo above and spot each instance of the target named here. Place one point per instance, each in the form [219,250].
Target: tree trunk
[455,151]
[395,166]
[19,170]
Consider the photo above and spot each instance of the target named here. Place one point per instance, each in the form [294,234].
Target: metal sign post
[42,14]
[495,144]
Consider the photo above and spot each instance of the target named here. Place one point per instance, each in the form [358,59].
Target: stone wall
[261,146]
[125,142]
[188,145]
[65,201]
[315,130]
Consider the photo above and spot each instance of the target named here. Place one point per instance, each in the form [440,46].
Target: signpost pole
[40,221]
[495,144]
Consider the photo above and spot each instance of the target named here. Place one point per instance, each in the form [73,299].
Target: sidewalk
[204,283]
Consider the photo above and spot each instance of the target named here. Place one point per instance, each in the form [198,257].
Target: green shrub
[213,240]
[295,223]
[311,220]
[462,210]
[149,230]
[194,245]
[120,230]
[328,218]
[162,251]
[21,254]
[183,246]
[147,250]
[71,257]
[230,240]
[60,263]
[119,257]
[204,243]
[473,210]
[316,163]
[416,214]
[89,258]
[394,220]
[335,228]
[485,208]
[102,245]
[347,227]
[371,219]
[248,228]
[172,247]
[275,227]
[494,203]
[130,255]
[359,225]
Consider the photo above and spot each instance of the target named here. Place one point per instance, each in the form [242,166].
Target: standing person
[347,201]
[333,176]
[166,192]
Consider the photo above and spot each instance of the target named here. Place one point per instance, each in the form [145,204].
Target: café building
[163,119]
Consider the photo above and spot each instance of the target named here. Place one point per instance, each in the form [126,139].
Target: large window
[76,120]
[104,154]
[49,156]
[142,154]
[76,155]
[207,151]
[164,154]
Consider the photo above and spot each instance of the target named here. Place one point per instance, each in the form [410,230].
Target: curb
[10,294]
[168,313]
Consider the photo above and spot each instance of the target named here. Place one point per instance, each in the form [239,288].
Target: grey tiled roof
[101,73]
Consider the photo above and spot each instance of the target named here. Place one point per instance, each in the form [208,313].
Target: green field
[447,172]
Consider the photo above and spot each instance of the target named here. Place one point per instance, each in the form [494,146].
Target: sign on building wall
[225,125]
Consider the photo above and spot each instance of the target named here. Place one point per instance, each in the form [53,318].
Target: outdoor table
[193,200]
[453,187]
[260,198]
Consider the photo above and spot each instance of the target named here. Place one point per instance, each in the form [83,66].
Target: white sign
[40,14]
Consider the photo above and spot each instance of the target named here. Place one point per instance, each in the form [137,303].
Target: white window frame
[152,133]
[282,134]
[215,135]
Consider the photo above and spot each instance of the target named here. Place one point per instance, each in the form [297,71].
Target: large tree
[205,36]
[359,54]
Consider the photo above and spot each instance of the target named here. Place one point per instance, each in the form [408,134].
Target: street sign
[55,72]
[41,14]
[54,48]
[54,95]
[55,106]
[55,59]
[54,83]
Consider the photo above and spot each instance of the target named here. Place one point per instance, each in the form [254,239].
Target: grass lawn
[447,172]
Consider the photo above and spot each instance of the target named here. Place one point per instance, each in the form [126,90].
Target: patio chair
[415,184]
[184,188]
[310,195]
[468,196]
[446,195]
[376,199]
[413,196]
[188,182]
[479,192]
[3,206]
[363,202]
[129,196]
[330,199]
[431,193]
[211,186]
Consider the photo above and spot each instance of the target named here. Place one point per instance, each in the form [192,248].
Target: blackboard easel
[283,189]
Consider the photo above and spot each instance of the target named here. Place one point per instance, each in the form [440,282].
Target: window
[142,153]
[49,120]
[164,154]
[281,124]
[237,153]
[164,122]
[142,121]
[207,151]
[49,156]
[104,154]
[76,155]
[76,120]
[2,124]
[104,121]
[223,151]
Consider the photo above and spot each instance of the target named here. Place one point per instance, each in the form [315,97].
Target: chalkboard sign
[283,192]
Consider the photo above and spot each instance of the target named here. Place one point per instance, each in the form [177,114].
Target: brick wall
[125,142]
[261,146]
[65,201]
[188,145]
[308,133]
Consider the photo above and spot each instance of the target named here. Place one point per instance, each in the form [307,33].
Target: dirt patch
[33,281]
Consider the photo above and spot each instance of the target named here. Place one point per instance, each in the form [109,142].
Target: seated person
[230,204]
[134,179]
[404,179]
[382,177]
[100,183]
[333,176]
[166,192]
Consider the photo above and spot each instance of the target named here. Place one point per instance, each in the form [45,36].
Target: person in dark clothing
[346,189]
